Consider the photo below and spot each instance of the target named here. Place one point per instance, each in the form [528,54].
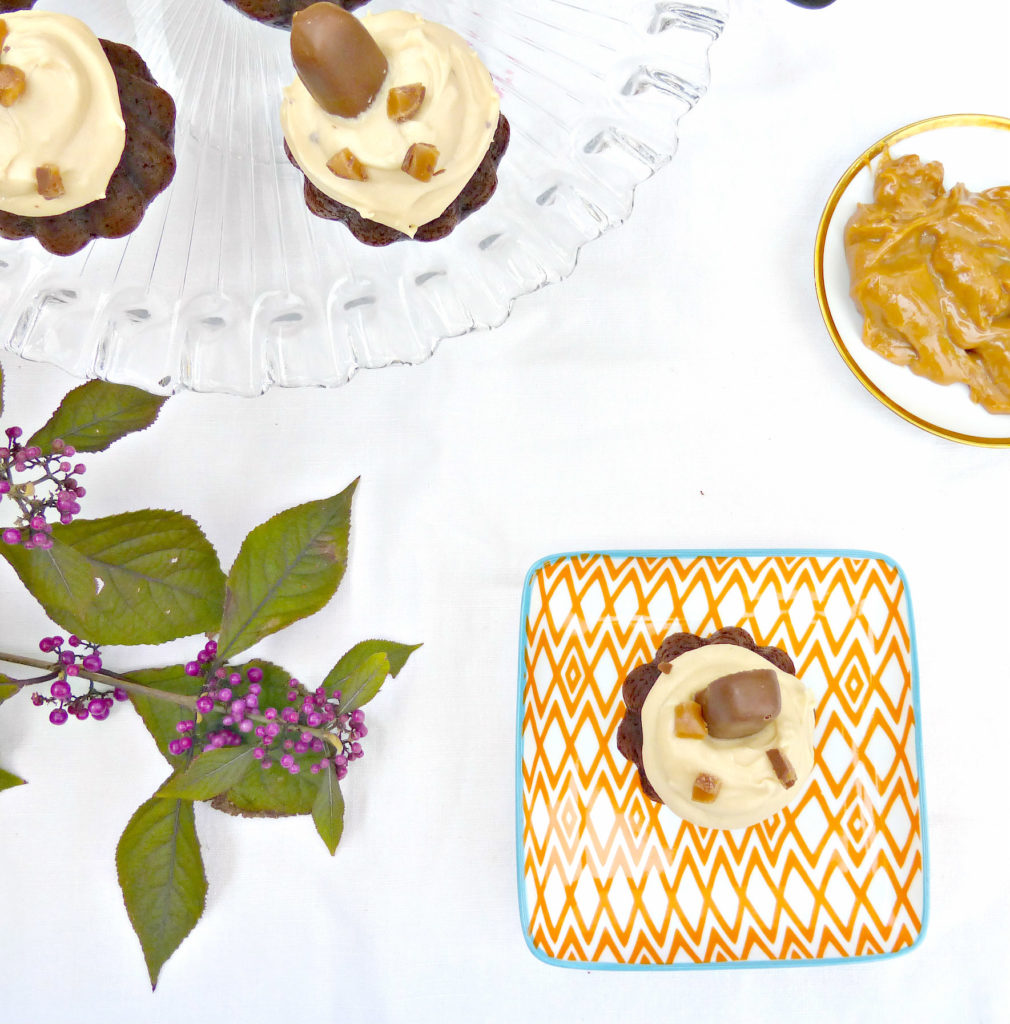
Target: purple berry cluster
[309,731]
[52,487]
[92,703]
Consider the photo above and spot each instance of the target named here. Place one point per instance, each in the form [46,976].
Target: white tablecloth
[679,390]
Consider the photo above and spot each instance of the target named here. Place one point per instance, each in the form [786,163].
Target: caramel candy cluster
[928,272]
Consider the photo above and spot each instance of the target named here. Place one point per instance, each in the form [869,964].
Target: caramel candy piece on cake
[49,181]
[706,789]
[741,703]
[781,765]
[404,101]
[3,31]
[345,164]
[12,84]
[687,721]
[420,161]
[337,60]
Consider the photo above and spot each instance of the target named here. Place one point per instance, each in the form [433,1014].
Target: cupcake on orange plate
[86,134]
[721,730]
[393,121]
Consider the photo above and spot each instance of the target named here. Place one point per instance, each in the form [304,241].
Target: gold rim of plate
[916,128]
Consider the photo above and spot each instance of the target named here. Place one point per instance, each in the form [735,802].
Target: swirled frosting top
[750,790]
[458,116]
[69,114]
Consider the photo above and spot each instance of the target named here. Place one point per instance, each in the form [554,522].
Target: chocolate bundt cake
[476,193]
[393,121]
[641,679]
[146,167]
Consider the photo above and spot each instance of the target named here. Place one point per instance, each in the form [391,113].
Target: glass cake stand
[230,285]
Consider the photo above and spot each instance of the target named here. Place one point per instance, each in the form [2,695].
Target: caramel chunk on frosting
[782,766]
[12,84]
[687,721]
[706,788]
[337,60]
[404,101]
[49,181]
[345,164]
[420,161]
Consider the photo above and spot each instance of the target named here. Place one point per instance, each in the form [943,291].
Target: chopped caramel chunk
[49,181]
[346,165]
[404,101]
[706,789]
[687,721]
[12,84]
[666,667]
[3,31]
[781,765]
[420,161]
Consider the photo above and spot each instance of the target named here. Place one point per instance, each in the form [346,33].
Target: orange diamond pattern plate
[609,878]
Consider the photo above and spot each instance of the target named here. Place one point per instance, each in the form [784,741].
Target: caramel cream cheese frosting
[69,115]
[458,116]
[750,790]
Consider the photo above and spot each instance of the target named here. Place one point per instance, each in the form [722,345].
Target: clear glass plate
[609,879]
[230,285]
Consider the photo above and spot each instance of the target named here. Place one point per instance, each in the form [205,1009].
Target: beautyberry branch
[52,489]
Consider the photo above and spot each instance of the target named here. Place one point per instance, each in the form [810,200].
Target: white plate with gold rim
[974,149]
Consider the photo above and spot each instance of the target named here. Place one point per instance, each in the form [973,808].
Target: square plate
[609,879]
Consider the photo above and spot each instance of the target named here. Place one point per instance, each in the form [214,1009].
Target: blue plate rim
[524,917]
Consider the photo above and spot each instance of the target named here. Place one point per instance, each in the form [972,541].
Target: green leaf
[273,793]
[161,716]
[8,781]
[209,774]
[95,414]
[355,674]
[7,688]
[361,684]
[135,578]
[328,809]
[287,568]
[161,874]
